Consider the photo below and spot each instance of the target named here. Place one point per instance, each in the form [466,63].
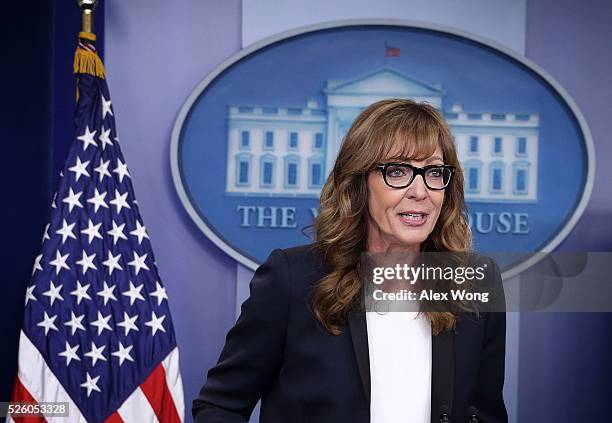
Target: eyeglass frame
[415,171]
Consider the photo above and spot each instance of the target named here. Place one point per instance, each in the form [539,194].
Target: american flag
[97,331]
[392,51]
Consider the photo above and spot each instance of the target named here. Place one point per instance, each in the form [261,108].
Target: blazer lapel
[442,374]
[359,335]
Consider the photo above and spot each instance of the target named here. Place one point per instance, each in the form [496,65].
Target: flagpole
[87,14]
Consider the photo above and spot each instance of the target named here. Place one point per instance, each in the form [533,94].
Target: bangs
[412,144]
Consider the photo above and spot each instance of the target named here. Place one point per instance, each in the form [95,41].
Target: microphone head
[473,415]
[444,414]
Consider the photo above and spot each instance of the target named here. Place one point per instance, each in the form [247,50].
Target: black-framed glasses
[400,175]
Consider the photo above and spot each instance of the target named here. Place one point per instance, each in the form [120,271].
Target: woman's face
[390,227]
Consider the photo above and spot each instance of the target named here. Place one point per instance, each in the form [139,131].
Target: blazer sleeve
[253,351]
[489,400]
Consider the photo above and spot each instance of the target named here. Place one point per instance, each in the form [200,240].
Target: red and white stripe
[158,399]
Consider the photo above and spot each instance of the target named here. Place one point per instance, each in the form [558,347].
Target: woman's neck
[377,243]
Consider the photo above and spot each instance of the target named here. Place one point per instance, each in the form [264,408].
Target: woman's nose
[417,189]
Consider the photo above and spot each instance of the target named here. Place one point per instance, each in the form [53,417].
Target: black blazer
[278,352]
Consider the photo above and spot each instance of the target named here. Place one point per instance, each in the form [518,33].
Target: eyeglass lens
[435,178]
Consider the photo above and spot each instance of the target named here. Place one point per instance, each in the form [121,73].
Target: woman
[303,343]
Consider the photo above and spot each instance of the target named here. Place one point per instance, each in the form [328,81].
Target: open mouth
[413,218]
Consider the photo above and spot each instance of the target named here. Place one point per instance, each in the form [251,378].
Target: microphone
[473,415]
[444,414]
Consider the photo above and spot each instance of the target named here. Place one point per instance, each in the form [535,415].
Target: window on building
[267,165]
[473,179]
[293,140]
[244,173]
[292,174]
[521,146]
[473,174]
[267,176]
[315,176]
[245,139]
[269,142]
[521,177]
[497,145]
[473,144]
[521,180]
[497,179]
[496,182]
[318,144]
[243,169]
[291,177]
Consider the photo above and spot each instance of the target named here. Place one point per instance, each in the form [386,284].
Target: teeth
[412,216]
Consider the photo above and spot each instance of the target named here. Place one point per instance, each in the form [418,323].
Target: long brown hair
[341,228]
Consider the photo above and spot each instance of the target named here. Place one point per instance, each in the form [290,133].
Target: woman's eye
[396,172]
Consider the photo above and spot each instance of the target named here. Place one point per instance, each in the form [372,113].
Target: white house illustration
[288,152]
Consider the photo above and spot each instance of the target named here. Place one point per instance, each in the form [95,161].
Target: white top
[400,367]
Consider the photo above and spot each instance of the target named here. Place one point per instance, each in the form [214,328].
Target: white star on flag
[37,265]
[97,200]
[138,262]
[107,293]
[120,201]
[160,293]
[66,231]
[117,232]
[30,294]
[46,233]
[79,168]
[54,293]
[123,353]
[102,323]
[72,199]
[156,323]
[88,138]
[102,169]
[140,232]
[121,170]
[75,322]
[70,353]
[134,293]
[128,323]
[95,353]
[80,292]
[86,262]
[91,384]
[60,262]
[104,138]
[112,263]
[92,231]
[47,323]
[106,107]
